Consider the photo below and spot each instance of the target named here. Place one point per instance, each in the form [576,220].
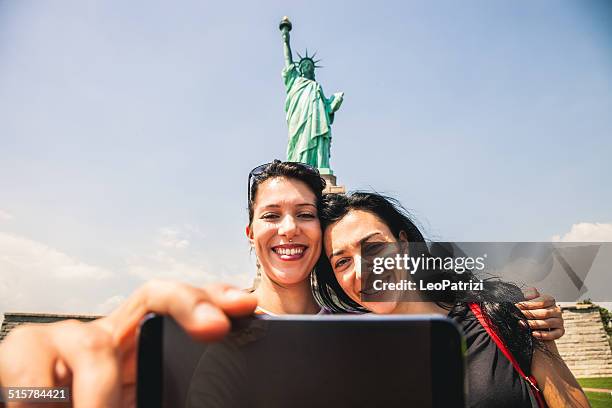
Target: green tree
[605,318]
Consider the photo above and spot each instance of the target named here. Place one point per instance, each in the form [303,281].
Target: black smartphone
[304,361]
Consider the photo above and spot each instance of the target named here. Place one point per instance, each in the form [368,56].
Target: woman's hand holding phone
[98,359]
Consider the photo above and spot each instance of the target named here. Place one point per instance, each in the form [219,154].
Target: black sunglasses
[259,170]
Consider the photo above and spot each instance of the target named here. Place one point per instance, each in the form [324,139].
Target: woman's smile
[290,252]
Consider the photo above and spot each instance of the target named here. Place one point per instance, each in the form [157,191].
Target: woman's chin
[381,307]
[291,277]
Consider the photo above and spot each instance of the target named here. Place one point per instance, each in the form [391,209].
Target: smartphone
[304,361]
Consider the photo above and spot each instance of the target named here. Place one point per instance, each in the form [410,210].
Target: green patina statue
[309,113]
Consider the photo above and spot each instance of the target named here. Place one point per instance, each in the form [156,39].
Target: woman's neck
[285,299]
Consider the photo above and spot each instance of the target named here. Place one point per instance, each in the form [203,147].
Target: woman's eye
[269,216]
[340,263]
[309,216]
[370,248]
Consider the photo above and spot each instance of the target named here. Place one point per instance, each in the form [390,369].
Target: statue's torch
[285,25]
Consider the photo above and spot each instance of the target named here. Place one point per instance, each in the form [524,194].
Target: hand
[286,36]
[543,315]
[98,359]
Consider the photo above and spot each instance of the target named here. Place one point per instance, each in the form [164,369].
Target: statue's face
[307,69]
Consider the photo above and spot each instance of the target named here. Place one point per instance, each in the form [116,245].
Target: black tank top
[492,380]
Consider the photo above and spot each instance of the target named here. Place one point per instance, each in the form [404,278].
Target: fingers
[540,314]
[548,335]
[530,293]
[540,302]
[200,311]
[544,317]
[545,330]
[57,354]
[548,324]
[93,361]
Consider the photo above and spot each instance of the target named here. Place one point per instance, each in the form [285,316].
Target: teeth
[289,251]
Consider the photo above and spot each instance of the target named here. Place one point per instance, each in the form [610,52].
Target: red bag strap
[486,323]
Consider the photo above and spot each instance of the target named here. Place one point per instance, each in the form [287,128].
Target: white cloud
[5,216]
[185,253]
[34,258]
[162,265]
[194,268]
[586,232]
[172,238]
[37,278]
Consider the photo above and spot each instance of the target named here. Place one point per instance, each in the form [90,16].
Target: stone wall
[585,346]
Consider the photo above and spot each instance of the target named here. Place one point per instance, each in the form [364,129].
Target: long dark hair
[504,315]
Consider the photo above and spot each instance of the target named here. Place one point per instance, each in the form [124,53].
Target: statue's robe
[309,116]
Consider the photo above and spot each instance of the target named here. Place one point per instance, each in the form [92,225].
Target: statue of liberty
[309,113]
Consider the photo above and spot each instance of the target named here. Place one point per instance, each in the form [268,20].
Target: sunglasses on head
[259,170]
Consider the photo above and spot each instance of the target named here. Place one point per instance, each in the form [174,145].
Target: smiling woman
[284,230]
[503,360]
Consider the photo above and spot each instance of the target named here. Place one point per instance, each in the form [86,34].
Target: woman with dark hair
[505,363]
[284,199]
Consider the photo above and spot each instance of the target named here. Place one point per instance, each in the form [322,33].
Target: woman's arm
[557,383]
[98,359]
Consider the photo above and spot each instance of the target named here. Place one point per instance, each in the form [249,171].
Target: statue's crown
[309,58]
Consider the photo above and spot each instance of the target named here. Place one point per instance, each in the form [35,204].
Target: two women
[285,212]
[284,229]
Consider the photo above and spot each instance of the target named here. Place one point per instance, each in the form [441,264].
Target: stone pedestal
[330,184]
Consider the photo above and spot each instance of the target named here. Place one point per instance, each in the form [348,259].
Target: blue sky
[127,129]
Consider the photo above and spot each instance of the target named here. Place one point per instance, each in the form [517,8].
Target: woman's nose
[288,227]
[354,279]
[357,261]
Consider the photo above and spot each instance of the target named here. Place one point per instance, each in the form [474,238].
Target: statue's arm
[287,49]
